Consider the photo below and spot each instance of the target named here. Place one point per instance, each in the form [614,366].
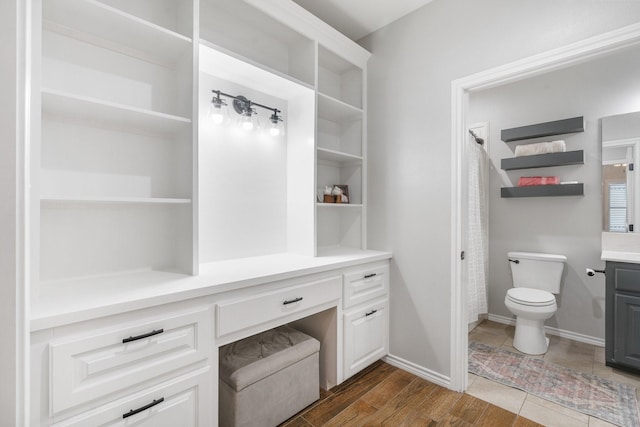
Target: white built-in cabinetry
[146,218]
[151,365]
[116,155]
[280,41]
[112,139]
[154,362]
[340,149]
[366,316]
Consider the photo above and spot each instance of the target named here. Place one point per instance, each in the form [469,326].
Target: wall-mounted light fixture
[244,107]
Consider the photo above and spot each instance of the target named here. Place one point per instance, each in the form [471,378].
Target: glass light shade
[274,130]
[246,121]
[275,125]
[218,113]
[247,124]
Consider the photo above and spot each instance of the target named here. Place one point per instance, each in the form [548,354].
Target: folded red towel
[525,181]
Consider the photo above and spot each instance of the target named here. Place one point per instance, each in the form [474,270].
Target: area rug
[608,400]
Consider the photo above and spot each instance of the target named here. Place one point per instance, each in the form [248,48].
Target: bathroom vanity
[150,351]
[622,342]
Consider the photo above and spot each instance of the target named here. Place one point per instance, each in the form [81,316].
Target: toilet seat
[531,297]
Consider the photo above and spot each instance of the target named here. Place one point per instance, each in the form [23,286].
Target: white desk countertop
[82,299]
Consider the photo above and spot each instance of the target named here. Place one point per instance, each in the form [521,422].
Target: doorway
[461,88]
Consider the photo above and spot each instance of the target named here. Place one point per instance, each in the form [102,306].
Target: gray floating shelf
[558,127]
[543,190]
[543,160]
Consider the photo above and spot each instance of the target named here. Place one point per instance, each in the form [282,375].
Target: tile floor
[562,351]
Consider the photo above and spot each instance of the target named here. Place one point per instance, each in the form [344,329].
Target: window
[618,207]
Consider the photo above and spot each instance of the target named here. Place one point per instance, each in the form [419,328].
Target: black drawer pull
[139,337]
[370,313]
[291,301]
[366,276]
[144,408]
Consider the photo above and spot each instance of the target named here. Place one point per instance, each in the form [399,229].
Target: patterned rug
[610,401]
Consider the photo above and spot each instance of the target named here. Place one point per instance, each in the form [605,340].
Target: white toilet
[536,278]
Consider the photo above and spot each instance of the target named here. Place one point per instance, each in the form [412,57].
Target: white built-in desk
[103,347]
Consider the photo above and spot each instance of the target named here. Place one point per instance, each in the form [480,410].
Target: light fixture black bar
[251,103]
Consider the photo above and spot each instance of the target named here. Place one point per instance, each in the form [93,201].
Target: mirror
[620,179]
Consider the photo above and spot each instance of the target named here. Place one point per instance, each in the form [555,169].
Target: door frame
[535,65]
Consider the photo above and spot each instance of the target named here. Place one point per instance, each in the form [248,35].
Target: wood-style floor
[385,395]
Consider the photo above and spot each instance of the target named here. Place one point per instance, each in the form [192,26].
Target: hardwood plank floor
[383,395]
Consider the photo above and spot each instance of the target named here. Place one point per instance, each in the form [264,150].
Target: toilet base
[529,337]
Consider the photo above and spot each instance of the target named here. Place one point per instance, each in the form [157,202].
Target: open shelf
[339,205]
[338,157]
[544,160]
[339,78]
[240,28]
[117,200]
[543,190]
[95,111]
[339,225]
[337,111]
[247,63]
[174,15]
[557,127]
[111,28]
[343,138]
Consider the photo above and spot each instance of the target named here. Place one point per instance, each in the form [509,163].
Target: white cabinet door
[184,403]
[365,336]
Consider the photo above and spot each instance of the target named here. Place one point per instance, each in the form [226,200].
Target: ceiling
[357,18]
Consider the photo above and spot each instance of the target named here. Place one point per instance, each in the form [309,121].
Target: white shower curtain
[477,234]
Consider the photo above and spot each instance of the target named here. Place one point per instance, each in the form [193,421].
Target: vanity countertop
[63,303]
[633,257]
[621,247]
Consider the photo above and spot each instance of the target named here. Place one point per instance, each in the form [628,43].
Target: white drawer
[365,284]
[240,314]
[177,403]
[91,367]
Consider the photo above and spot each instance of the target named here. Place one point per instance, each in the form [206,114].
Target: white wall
[565,225]
[10,333]
[243,180]
[409,100]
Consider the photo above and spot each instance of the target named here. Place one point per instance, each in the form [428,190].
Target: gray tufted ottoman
[267,378]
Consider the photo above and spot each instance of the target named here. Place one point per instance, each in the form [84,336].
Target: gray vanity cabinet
[622,347]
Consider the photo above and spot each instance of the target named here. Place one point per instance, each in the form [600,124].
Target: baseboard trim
[418,370]
[587,339]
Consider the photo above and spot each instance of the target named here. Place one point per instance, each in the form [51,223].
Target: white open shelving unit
[272,38]
[341,149]
[119,166]
[112,158]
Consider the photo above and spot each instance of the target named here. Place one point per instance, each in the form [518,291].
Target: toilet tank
[536,270]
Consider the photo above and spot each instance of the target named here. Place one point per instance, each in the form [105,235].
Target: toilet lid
[528,296]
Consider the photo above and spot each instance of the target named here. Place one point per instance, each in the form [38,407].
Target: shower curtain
[477,233]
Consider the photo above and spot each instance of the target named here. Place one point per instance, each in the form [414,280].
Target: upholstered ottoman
[267,378]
